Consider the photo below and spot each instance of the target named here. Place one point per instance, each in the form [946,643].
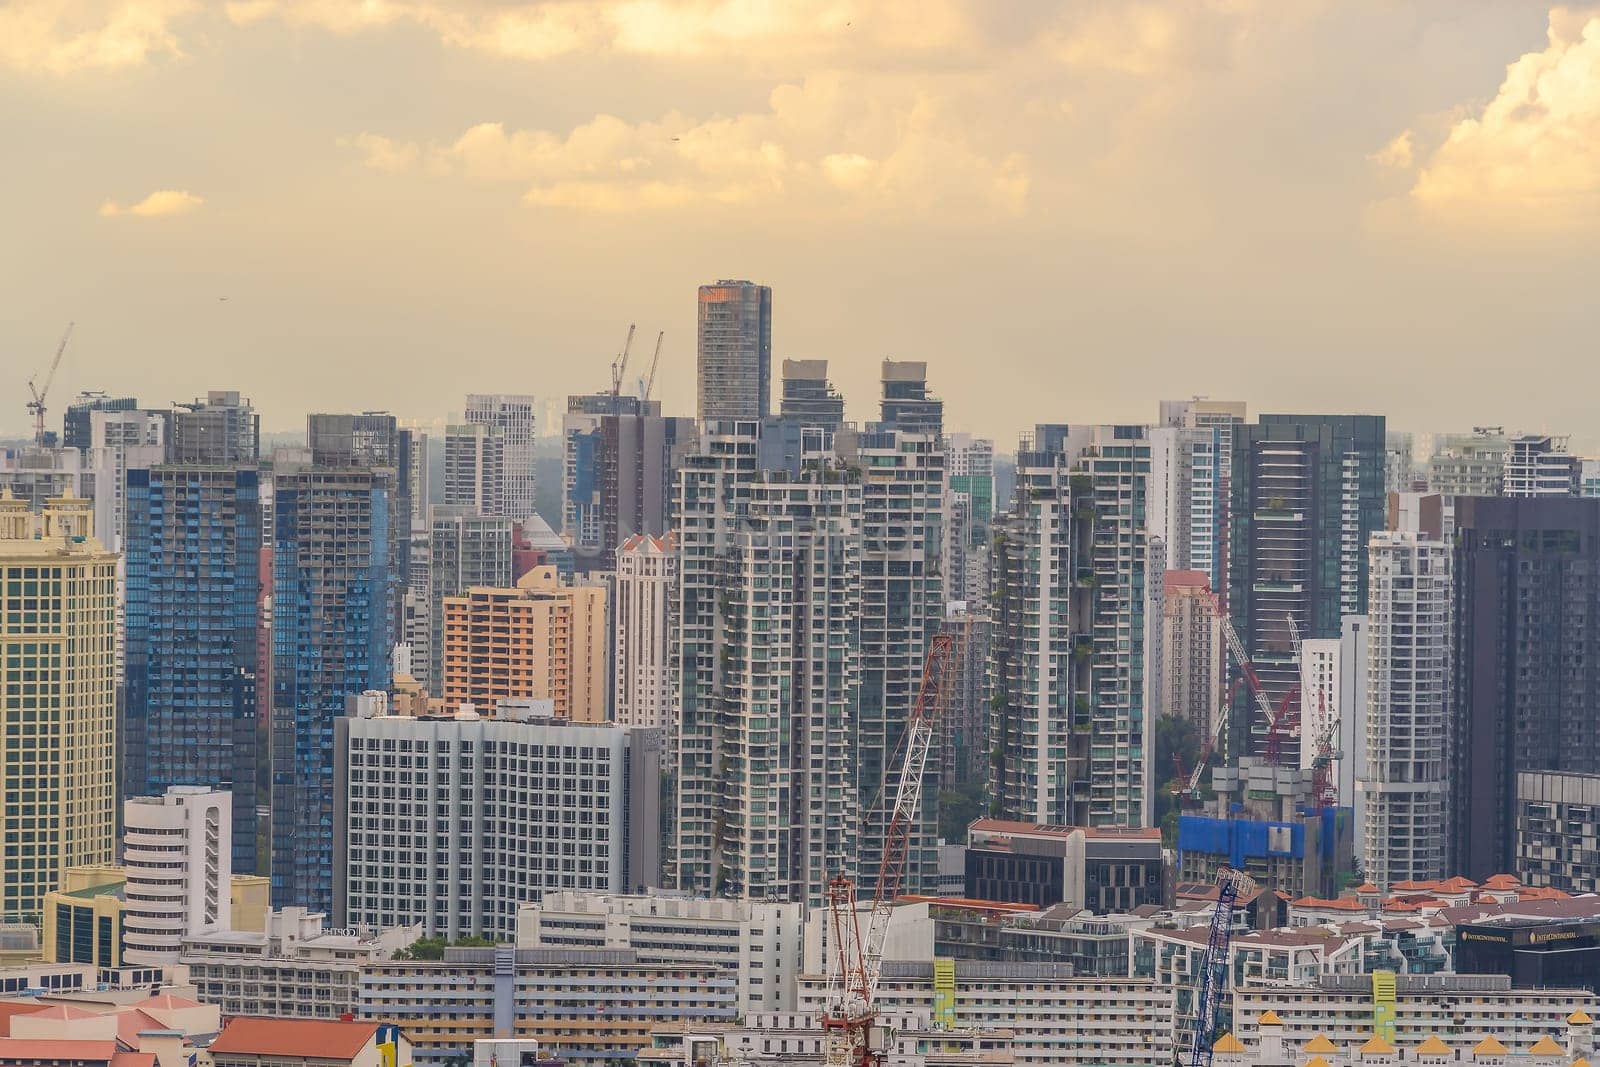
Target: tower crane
[619,366]
[1277,719]
[650,382]
[36,405]
[1231,885]
[855,961]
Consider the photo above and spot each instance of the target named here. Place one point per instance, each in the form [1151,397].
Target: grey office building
[1527,662]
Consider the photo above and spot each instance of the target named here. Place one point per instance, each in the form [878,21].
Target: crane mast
[650,382]
[36,404]
[1231,885]
[855,960]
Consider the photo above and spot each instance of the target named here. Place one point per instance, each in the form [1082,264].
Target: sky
[1070,210]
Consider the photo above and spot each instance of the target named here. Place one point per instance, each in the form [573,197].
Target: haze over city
[1328,206]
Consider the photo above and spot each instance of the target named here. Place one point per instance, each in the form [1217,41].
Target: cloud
[159,203]
[1532,154]
[828,144]
[66,36]
[1397,153]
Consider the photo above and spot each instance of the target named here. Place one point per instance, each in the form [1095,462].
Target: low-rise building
[1273,1045]
[586,1007]
[797,1040]
[248,1042]
[1103,869]
[756,942]
[296,968]
[1054,1017]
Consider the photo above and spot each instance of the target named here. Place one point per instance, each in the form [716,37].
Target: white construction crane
[650,382]
[619,366]
[36,404]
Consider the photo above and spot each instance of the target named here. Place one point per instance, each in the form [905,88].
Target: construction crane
[650,382]
[36,405]
[1231,885]
[855,962]
[619,366]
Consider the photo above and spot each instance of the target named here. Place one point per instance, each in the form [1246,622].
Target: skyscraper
[121,441]
[766,666]
[969,515]
[618,454]
[465,549]
[511,419]
[808,397]
[1069,673]
[906,403]
[1406,786]
[58,694]
[1192,650]
[475,469]
[336,593]
[220,430]
[1307,495]
[193,580]
[734,362]
[647,567]
[1526,639]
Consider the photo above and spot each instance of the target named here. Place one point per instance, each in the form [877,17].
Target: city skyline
[1171,191]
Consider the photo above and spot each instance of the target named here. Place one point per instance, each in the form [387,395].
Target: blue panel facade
[333,598]
[193,561]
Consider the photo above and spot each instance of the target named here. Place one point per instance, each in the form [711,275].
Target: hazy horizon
[1069,210]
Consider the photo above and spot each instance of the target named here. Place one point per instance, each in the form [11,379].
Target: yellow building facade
[58,605]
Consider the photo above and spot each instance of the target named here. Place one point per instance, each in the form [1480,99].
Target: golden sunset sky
[1069,209]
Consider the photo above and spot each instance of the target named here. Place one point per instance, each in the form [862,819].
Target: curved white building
[176,851]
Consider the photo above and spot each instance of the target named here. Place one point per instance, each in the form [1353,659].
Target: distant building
[734,351]
[1102,870]
[483,813]
[809,398]
[756,942]
[58,608]
[1307,494]
[642,613]
[1192,649]
[1469,464]
[475,469]
[511,421]
[906,403]
[1558,830]
[587,1008]
[464,550]
[222,430]
[75,421]
[542,640]
[1541,465]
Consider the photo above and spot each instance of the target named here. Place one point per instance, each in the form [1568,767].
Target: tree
[1174,737]
[959,806]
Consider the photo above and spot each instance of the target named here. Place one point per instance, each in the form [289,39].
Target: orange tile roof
[1377,1046]
[134,1059]
[1433,1047]
[1546,1046]
[1319,1044]
[1341,904]
[43,1050]
[1579,1018]
[1366,887]
[1502,881]
[1227,1043]
[294,1038]
[167,1002]
[1489,1046]
[135,1021]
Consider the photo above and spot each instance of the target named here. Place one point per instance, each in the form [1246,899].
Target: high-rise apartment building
[193,668]
[964,726]
[221,430]
[1406,786]
[767,653]
[176,853]
[906,403]
[1069,672]
[1526,577]
[808,397]
[75,427]
[1191,475]
[641,612]
[1192,650]
[541,640]
[734,345]
[453,821]
[119,442]
[618,456]
[969,516]
[1541,465]
[58,601]
[39,475]
[336,588]
[1333,706]
[1469,464]
[475,469]
[512,420]
[1307,496]
[464,550]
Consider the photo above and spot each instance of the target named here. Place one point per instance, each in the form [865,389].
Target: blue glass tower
[193,578]
[335,588]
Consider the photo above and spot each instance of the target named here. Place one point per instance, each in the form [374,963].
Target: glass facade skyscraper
[193,577]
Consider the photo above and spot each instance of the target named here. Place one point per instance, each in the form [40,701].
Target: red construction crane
[855,962]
